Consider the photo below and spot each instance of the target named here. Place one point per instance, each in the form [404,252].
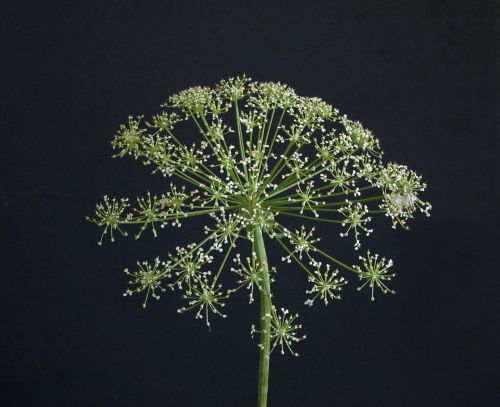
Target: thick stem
[265,321]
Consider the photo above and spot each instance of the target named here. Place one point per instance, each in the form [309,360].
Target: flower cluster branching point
[264,155]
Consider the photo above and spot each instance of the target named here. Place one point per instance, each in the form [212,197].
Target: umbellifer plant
[264,154]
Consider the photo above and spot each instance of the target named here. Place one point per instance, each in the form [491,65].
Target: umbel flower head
[264,155]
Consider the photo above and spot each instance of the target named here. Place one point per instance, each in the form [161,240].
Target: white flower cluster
[265,155]
[356,220]
[204,297]
[283,330]
[401,187]
[251,274]
[325,284]
[109,216]
[302,242]
[148,278]
[374,272]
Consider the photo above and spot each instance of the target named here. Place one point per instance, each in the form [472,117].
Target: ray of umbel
[264,155]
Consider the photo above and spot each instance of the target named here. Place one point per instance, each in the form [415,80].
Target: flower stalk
[265,322]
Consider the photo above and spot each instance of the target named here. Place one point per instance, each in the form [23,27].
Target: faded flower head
[264,156]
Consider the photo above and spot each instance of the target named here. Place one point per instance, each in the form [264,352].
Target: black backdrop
[419,73]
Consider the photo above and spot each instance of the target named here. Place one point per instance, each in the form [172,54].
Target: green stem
[265,322]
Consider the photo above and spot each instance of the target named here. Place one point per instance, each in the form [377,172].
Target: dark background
[421,74]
